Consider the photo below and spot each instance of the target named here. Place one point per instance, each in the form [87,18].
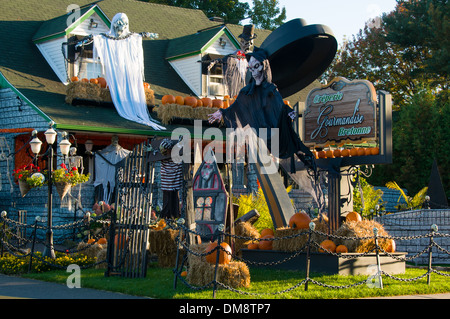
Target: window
[212,74]
[81,60]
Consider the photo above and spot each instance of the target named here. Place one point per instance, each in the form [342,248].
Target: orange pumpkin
[218,103]
[354,152]
[266,244]
[93,81]
[391,246]
[299,220]
[327,245]
[179,100]
[224,253]
[360,151]
[341,249]
[367,151]
[102,241]
[183,273]
[102,82]
[85,80]
[374,151]
[226,103]
[199,103]
[91,241]
[329,154]
[74,79]
[345,152]
[168,99]
[353,217]
[321,154]
[266,231]
[190,101]
[146,85]
[120,241]
[207,102]
[253,246]
[337,153]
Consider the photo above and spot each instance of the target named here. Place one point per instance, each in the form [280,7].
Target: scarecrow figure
[260,105]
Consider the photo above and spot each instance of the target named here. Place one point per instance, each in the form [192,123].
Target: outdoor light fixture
[50,136]
[93,24]
[89,145]
[64,146]
[35,143]
[222,43]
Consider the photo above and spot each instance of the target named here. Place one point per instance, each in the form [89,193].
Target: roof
[23,68]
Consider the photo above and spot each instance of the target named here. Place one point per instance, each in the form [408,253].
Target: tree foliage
[266,14]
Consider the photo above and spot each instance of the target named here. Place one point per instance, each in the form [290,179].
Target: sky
[344,18]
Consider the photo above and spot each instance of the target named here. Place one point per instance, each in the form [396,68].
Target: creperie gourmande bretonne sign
[343,111]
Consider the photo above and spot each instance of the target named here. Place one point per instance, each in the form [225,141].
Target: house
[39,58]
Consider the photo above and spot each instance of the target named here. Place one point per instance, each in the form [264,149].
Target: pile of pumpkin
[351,231]
[95,249]
[96,89]
[346,152]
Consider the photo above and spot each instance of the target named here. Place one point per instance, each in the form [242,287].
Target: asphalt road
[12,287]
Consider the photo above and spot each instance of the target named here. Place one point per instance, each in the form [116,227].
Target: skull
[257,69]
[120,25]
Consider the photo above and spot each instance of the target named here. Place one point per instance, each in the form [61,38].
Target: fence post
[110,247]
[375,232]
[38,219]
[220,229]
[3,215]
[180,223]
[312,226]
[434,229]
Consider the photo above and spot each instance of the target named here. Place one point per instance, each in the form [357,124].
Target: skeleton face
[246,44]
[256,68]
[120,26]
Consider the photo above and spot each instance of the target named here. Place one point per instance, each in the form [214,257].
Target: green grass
[265,284]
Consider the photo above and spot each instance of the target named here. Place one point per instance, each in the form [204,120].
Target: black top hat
[248,32]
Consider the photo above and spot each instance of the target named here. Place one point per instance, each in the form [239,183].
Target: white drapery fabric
[123,65]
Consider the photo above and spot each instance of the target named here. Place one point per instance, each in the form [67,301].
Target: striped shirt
[171,175]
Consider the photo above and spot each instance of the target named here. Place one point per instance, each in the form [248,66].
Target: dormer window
[81,61]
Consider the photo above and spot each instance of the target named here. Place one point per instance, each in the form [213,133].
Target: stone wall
[415,223]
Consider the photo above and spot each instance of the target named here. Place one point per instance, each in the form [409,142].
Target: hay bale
[167,112]
[234,274]
[244,229]
[101,257]
[361,229]
[289,244]
[162,242]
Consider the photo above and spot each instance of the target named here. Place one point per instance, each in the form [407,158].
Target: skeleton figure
[260,105]
[120,26]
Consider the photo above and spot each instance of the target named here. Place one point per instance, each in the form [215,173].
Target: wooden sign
[343,111]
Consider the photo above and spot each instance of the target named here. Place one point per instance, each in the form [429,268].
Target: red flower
[74,169]
[63,166]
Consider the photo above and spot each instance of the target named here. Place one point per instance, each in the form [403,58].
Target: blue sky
[345,17]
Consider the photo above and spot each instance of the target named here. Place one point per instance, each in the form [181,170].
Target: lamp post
[35,143]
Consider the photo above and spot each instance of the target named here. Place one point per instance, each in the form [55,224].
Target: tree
[266,14]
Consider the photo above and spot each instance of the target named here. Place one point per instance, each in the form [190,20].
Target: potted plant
[28,177]
[64,179]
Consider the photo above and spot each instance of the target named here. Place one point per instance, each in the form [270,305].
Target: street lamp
[35,143]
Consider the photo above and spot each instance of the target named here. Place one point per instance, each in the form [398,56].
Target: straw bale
[169,260]
[247,230]
[289,244]
[234,274]
[163,241]
[360,229]
[167,112]
[101,256]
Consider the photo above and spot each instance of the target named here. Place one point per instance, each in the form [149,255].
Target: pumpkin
[168,99]
[353,217]
[102,241]
[341,249]
[179,100]
[337,153]
[299,220]
[226,103]
[321,154]
[85,80]
[183,273]
[354,152]
[207,102]
[329,154]
[345,152]
[191,101]
[102,82]
[360,151]
[146,85]
[266,244]
[391,246]
[253,246]
[93,81]
[199,103]
[218,103]
[120,241]
[224,253]
[327,245]
[91,241]
[367,151]
[374,151]
[266,231]
[74,79]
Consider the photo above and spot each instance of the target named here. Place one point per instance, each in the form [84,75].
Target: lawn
[265,284]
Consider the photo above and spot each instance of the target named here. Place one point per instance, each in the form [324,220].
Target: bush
[11,265]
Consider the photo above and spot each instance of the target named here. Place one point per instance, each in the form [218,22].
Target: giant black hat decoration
[298,54]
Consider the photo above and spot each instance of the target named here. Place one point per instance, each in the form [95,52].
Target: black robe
[263,107]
